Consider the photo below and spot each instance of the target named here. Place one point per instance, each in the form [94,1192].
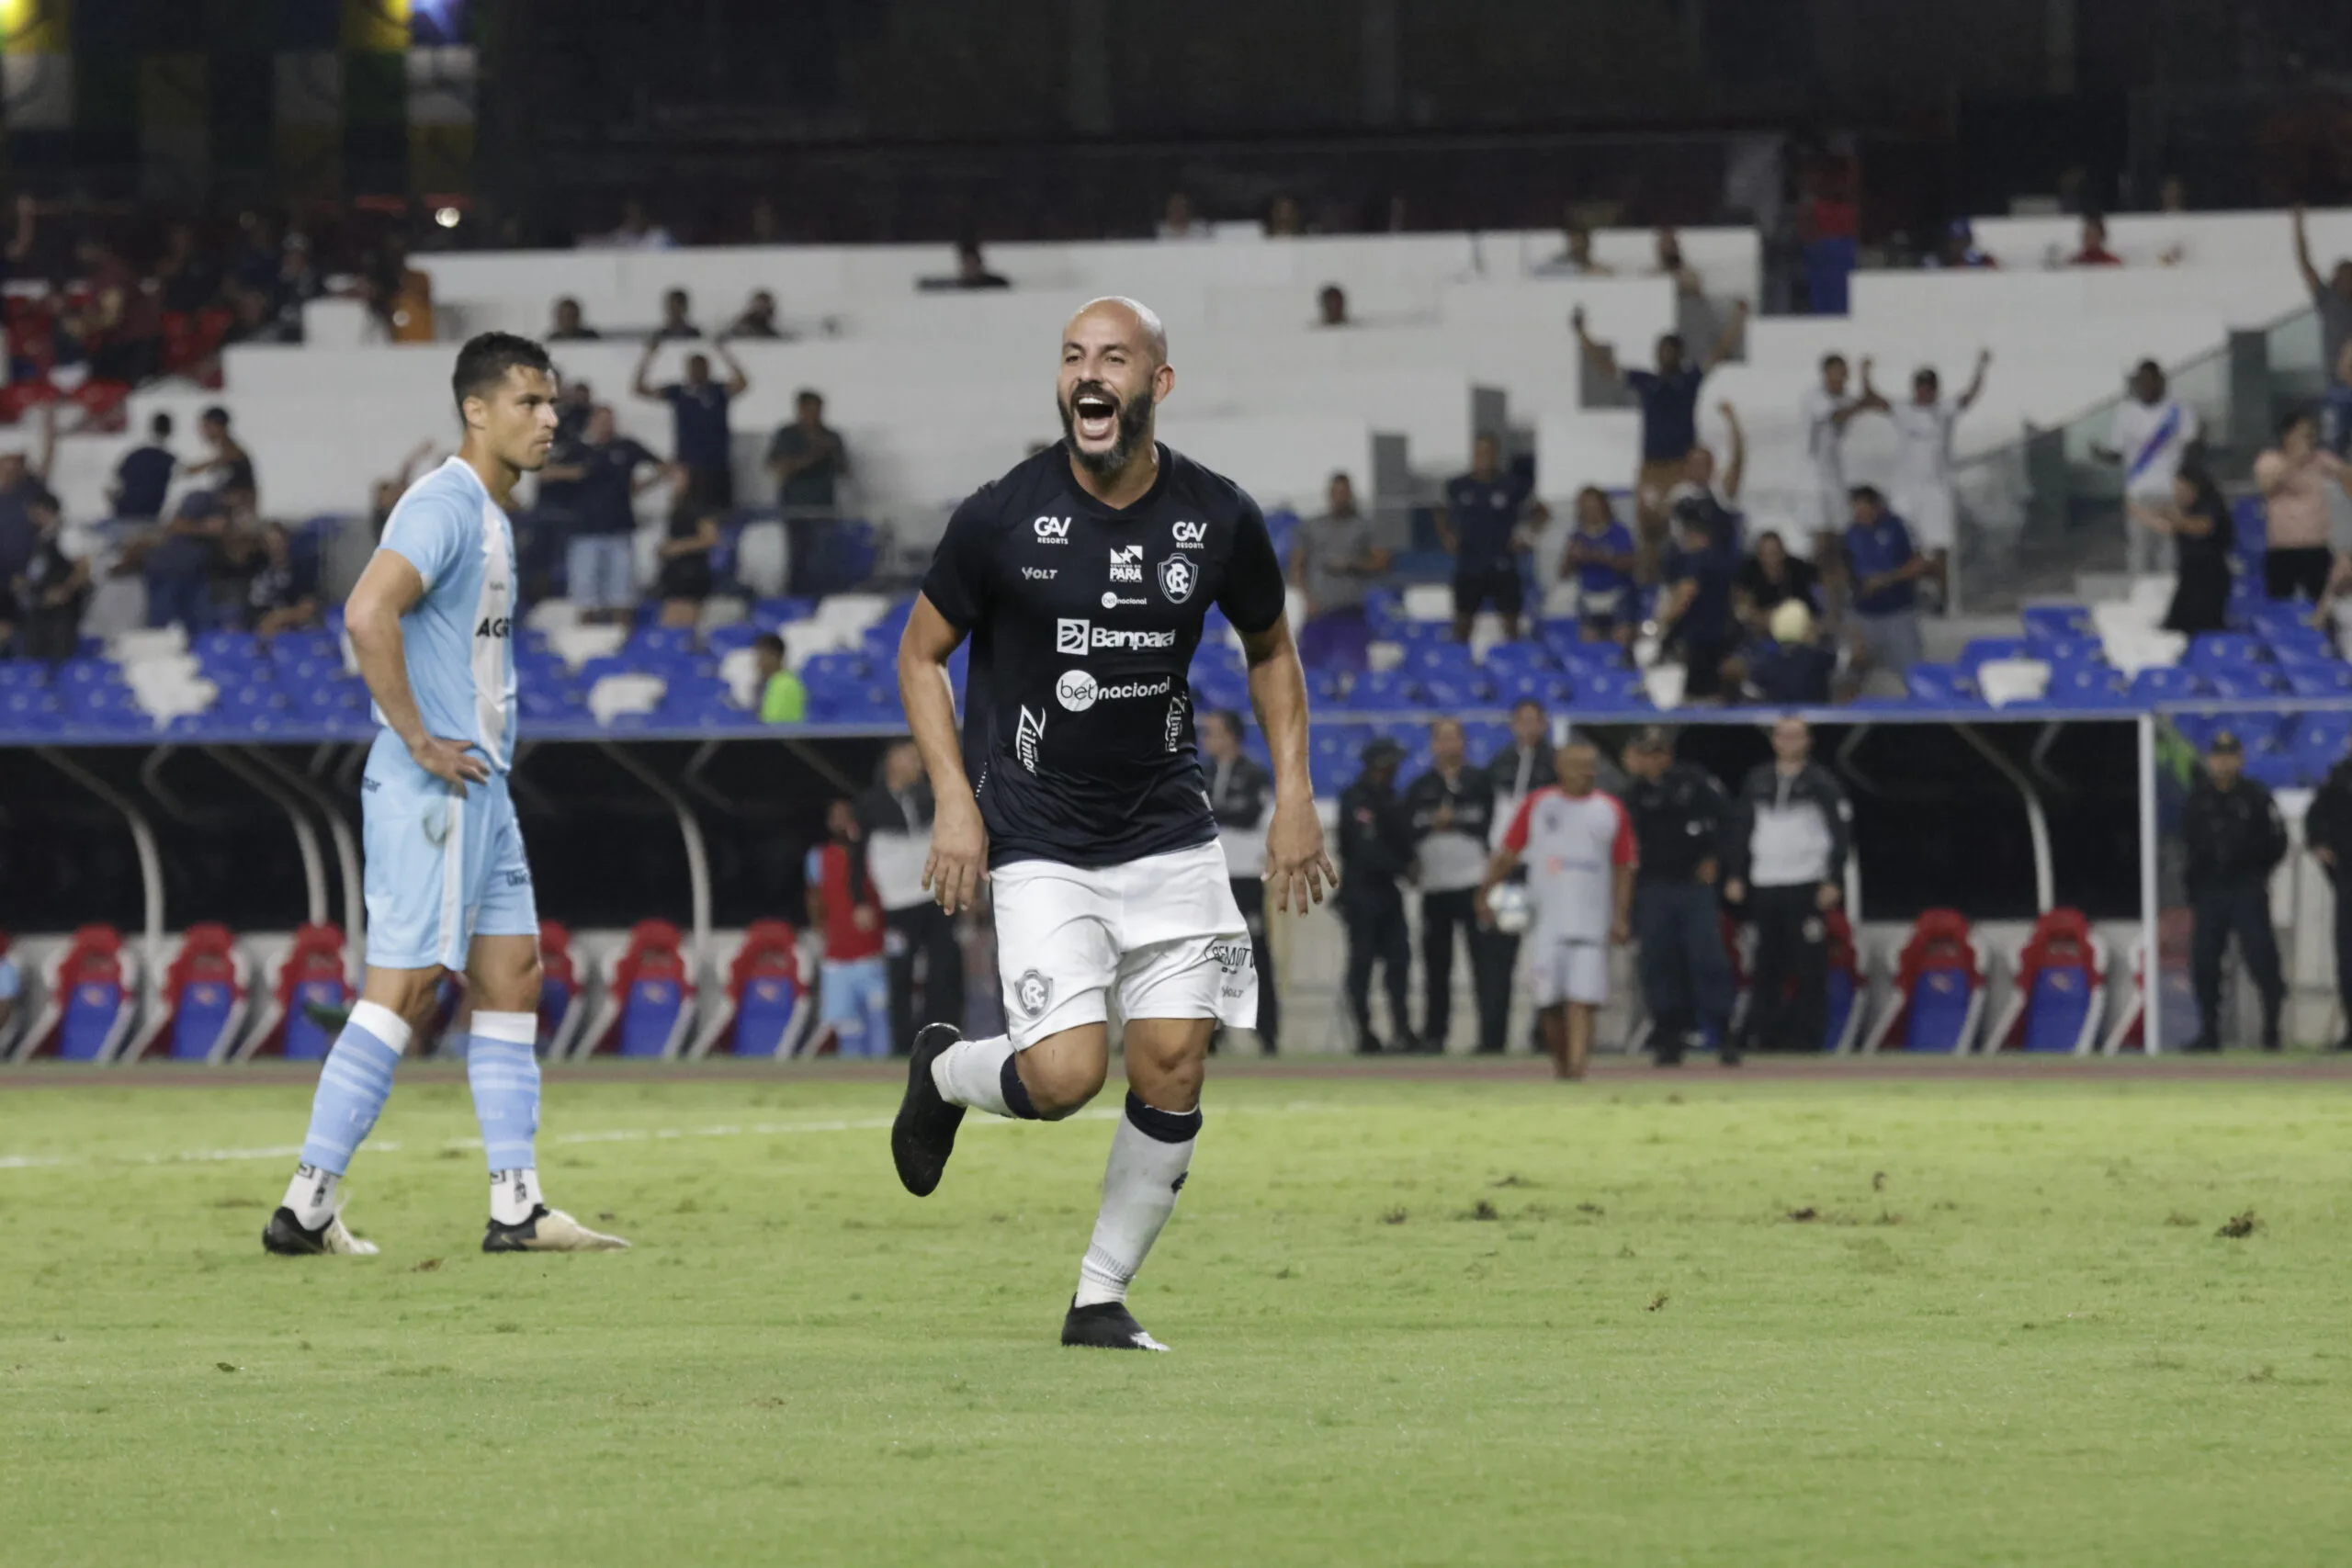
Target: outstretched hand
[1296,861]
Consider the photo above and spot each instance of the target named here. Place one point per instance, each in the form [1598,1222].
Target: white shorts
[1164,930]
[1931,512]
[1566,969]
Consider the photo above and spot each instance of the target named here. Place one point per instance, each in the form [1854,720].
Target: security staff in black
[1679,812]
[1242,794]
[1790,833]
[2327,830]
[1452,807]
[2235,839]
[1375,853]
[1516,771]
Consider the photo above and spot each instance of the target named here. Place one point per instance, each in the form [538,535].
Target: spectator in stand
[1719,499]
[24,491]
[637,232]
[1484,524]
[1283,219]
[2152,433]
[143,477]
[180,565]
[1957,248]
[2293,478]
[2331,296]
[2093,250]
[926,960]
[1597,572]
[569,324]
[2203,534]
[854,979]
[701,442]
[1331,307]
[1332,564]
[188,277]
[684,578]
[1452,811]
[1788,667]
[677,321]
[972,269]
[1884,569]
[1670,264]
[1771,578]
[299,282]
[1924,494]
[2336,406]
[283,594]
[231,468]
[2235,838]
[757,320]
[406,292]
[1788,839]
[1241,796]
[50,591]
[610,471]
[123,328]
[1669,397]
[783,698]
[571,409]
[385,492]
[1575,259]
[808,461]
[1694,614]
[1825,411]
[1178,221]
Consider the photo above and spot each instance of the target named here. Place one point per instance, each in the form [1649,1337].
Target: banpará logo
[1078,690]
[1052,530]
[1191,535]
[1030,736]
[1127,563]
[1075,635]
[1178,578]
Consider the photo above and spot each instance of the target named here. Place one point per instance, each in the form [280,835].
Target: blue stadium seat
[1983,649]
[1428,658]
[1579,656]
[1938,684]
[834,670]
[2168,683]
[769,613]
[2246,683]
[1506,660]
[18,675]
[1485,738]
[724,640]
[2319,680]
[1610,688]
[654,643]
[2048,622]
[2278,770]
[2056,651]
[2225,650]
[1378,691]
[1551,689]
[2087,685]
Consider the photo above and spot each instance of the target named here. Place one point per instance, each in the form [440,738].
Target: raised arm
[737,382]
[372,615]
[1295,860]
[1603,356]
[639,384]
[1871,402]
[958,865]
[2311,280]
[1736,470]
[1727,341]
[1976,387]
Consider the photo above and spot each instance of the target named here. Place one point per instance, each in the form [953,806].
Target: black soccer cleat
[1105,1325]
[924,1134]
[288,1237]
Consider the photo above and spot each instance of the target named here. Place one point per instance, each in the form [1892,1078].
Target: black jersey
[1077,717]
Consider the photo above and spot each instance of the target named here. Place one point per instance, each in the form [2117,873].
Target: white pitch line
[609,1135]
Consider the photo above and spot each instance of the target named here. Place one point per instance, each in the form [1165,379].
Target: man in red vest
[854,981]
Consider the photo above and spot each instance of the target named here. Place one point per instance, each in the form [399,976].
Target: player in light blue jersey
[448,885]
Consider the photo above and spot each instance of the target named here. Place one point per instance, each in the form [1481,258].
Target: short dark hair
[808,395]
[768,642]
[2294,417]
[160,427]
[1232,719]
[1867,493]
[216,414]
[488,357]
[1829,359]
[1535,703]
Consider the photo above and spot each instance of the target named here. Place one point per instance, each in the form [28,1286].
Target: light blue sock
[505,1074]
[354,1083]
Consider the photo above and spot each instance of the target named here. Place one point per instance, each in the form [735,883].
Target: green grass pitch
[1479,1318]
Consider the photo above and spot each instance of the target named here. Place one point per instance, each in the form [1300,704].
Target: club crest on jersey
[1178,578]
[1052,530]
[1127,563]
[1029,737]
[1191,535]
[1032,993]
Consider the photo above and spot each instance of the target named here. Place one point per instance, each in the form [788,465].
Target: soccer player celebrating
[1081,578]
[1577,845]
[446,882]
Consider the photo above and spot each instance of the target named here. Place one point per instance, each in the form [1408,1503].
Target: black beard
[1135,426]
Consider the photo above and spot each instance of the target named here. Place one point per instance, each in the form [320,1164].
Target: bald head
[1132,319]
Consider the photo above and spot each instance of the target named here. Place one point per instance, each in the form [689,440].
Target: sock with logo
[1150,1153]
[503,1070]
[985,1075]
[353,1082]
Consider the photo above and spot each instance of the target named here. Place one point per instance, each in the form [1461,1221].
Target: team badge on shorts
[1178,578]
[1033,993]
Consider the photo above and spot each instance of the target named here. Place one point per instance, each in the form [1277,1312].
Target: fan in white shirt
[2152,433]
[1824,411]
[1922,491]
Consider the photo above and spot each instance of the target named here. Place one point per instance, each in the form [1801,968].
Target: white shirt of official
[1507,800]
[2152,439]
[894,862]
[1244,847]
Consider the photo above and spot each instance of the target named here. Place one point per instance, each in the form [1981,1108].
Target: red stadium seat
[201,1007]
[101,403]
[314,971]
[562,995]
[91,1000]
[764,1011]
[18,396]
[2060,989]
[649,1003]
[1938,990]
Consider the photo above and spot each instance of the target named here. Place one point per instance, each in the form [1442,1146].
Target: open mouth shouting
[1094,414]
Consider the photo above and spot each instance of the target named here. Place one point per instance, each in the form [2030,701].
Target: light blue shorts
[854,998]
[445,865]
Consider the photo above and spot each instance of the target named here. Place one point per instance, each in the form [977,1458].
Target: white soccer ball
[1510,908]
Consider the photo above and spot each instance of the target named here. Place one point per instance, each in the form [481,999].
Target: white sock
[1150,1155]
[512,1195]
[311,1195]
[971,1072]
